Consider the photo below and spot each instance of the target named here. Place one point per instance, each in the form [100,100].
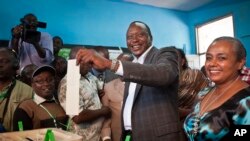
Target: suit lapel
[137,89]
[126,90]
[146,61]
[150,55]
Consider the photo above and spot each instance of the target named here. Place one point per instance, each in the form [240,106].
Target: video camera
[37,24]
[29,34]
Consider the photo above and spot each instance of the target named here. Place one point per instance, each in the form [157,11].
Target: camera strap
[7,100]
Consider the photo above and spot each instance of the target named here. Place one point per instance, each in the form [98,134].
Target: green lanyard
[3,94]
[54,119]
[7,96]
[68,124]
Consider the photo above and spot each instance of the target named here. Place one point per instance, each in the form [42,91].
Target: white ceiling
[182,5]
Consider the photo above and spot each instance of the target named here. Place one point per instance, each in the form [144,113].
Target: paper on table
[72,93]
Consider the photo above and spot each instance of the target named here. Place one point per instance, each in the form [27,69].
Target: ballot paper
[72,92]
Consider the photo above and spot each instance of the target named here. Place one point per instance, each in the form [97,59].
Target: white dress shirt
[131,92]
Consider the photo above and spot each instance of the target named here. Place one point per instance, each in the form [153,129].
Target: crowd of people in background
[148,94]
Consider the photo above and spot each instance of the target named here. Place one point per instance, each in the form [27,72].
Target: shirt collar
[96,72]
[87,75]
[39,100]
[141,59]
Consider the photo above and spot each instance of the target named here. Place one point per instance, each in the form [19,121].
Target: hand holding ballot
[85,56]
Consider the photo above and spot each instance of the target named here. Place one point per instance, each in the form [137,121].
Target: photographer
[32,46]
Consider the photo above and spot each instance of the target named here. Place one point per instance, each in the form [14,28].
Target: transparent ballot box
[40,135]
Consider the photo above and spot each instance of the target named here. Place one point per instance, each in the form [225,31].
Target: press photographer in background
[32,46]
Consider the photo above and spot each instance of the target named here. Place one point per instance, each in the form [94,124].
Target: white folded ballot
[72,93]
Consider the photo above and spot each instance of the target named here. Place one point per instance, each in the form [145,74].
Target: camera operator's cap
[42,69]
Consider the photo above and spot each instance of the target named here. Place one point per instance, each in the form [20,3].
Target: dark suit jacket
[154,112]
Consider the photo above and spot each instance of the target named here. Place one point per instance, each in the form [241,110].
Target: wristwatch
[114,65]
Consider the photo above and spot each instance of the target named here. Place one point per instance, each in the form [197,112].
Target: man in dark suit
[150,110]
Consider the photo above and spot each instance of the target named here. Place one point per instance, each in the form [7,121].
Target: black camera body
[37,24]
[31,35]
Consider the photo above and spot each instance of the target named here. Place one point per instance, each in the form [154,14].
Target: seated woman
[222,107]
[43,110]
